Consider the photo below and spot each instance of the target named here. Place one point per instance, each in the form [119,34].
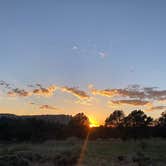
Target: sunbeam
[83,150]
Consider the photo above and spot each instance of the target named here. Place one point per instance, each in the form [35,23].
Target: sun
[93,122]
[93,125]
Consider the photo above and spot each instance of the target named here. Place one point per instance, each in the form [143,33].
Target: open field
[151,152]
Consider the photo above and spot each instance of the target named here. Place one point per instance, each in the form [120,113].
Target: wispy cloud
[76,92]
[87,102]
[47,107]
[118,92]
[5,84]
[19,92]
[40,91]
[75,47]
[102,54]
[133,92]
[45,91]
[131,102]
[91,50]
[155,108]
[44,106]
[133,95]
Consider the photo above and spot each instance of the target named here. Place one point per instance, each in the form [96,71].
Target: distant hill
[64,119]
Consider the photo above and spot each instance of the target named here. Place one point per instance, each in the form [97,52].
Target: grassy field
[151,152]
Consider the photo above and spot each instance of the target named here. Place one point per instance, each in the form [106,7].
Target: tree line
[135,125]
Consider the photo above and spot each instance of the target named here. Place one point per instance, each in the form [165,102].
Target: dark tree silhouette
[115,119]
[136,125]
[137,118]
[149,121]
[79,119]
[78,125]
[162,120]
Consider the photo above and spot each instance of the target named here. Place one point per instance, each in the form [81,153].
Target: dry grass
[98,153]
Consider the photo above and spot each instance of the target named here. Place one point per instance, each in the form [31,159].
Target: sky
[66,57]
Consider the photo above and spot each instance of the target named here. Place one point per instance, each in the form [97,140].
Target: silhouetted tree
[136,125]
[115,119]
[149,121]
[78,125]
[79,119]
[162,120]
[137,118]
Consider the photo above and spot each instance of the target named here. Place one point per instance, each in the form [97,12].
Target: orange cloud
[134,91]
[45,91]
[84,102]
[47,107]
[156,108]
[162,101]
[156,94]
[118,92]
[105,92]
[43,107]
[19,92]
[38,91]
[76,92]
[131,102]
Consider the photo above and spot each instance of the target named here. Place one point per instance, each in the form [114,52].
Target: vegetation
[136,118]
[112,152]
[115,152]
[115,119]
[50,153]
[121,141]
[136,125]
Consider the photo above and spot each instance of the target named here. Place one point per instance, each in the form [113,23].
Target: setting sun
[93,122]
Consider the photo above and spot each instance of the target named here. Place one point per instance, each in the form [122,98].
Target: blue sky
[110,44]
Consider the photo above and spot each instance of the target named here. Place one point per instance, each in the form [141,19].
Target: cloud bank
[133,95]
[133,92]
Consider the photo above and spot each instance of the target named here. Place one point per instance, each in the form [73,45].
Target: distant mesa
[63,119]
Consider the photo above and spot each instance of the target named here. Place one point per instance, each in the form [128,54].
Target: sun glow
[93,122]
